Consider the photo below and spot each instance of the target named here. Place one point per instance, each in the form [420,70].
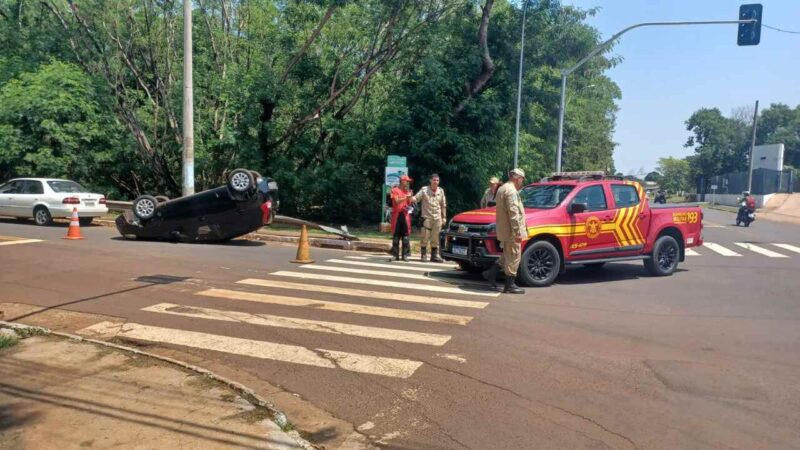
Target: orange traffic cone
[74,231]
[303,256]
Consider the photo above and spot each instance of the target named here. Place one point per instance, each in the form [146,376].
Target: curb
[278,417]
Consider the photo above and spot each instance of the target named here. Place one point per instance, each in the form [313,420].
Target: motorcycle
[745,215]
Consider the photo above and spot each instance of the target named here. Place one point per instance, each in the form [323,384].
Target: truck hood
[533,217]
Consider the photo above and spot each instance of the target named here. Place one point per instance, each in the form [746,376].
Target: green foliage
[312,93]
[674,175]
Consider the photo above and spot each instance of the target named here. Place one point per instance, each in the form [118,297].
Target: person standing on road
[434,215]
[491,192]
[402,199]
[511,230]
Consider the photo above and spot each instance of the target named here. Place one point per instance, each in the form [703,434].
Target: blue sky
[667,73]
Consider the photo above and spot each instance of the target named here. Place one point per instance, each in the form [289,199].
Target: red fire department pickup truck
[580,218]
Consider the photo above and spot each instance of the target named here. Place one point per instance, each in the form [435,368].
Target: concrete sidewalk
[65,394]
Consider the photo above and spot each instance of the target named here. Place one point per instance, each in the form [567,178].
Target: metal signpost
[749,33]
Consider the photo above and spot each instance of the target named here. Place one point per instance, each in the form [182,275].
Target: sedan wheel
[144,207]
[42,216]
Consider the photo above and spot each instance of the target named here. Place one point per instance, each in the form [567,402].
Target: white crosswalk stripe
[19,241]
[392,367]
[338,307]
[789,247]
[724,251]
[445,265]
[300,324]
[761,250]
[386,283]
[690,252]
[383,273]
[364,293]
[396,266]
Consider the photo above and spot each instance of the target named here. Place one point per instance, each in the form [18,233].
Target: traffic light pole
[601,47]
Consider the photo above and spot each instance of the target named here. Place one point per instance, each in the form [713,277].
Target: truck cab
[579,218]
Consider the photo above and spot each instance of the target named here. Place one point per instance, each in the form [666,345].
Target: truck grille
[469,228]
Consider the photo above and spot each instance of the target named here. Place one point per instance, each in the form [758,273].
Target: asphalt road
[706,358]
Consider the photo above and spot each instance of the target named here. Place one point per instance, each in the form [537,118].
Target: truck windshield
[546,196]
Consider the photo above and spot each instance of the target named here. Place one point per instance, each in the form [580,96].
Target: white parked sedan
[47,198]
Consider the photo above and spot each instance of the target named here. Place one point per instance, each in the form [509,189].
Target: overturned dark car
[245,204]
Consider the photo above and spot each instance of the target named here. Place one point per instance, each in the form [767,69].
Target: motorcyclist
[747,206]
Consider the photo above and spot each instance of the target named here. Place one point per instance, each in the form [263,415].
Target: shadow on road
[231,243]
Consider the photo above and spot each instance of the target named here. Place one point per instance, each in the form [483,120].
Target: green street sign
[396,161]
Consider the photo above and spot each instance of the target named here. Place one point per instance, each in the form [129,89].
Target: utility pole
[752,144]
[188,105]
[601,47]
[519,83]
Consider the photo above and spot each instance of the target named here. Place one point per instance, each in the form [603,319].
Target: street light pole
[752,144]
[601,47]
[519,83]
[188,105]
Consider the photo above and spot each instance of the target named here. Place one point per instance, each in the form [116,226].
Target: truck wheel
[664,260]
[540,264]
[241,181]
[144,207]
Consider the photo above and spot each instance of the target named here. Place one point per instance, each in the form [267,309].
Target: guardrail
[118,206]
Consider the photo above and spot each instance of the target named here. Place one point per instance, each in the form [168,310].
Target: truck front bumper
[469,248]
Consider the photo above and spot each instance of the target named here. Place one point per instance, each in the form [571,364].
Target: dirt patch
[54,319]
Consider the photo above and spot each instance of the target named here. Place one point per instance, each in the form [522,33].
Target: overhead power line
[779,29]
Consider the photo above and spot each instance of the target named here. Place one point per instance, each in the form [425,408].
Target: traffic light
[750,33]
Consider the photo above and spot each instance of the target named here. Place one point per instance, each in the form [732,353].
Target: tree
[721,144]
[674,175]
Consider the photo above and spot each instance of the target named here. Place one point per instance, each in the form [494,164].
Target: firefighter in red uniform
[402,198]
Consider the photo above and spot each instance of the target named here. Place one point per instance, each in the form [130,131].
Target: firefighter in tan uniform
[434,215]
[511,230]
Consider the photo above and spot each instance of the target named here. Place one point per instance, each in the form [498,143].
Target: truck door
[592,236]
[631,217]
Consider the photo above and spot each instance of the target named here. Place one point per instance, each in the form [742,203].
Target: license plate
[459,250]
[88,203]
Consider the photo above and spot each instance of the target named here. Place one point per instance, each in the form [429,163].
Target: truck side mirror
[577,208]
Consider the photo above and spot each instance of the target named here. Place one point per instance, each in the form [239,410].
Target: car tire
[85,221]
[42,217]
[241,182]
[540,264]
[664,259]
[747,224]
[738,222]
[144,207]
[162,198]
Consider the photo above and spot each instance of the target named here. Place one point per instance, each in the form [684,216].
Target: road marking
[395,266]
[381,273]
[385,283]
[391,367]
[761,250]
[405,263]
[690,252]
[300,324]
[789,247]
[720,249]
[365,293]
[338,307]
[19,241]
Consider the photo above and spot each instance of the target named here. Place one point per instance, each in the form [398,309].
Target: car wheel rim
[145,208]
[540,264]
[240,181]
[667,257]
[41,217]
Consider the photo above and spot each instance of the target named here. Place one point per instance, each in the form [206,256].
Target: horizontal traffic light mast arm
[605,44]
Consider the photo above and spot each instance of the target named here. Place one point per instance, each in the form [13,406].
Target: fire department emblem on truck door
[592,227]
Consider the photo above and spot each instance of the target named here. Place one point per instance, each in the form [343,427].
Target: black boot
[435,255]
[424,254]
[406,248]
[512,288]
[490,275]
[395,248]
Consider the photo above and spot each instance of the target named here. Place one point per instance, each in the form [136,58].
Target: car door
[8,195]
[593,236]
[30,193]
[631,217]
